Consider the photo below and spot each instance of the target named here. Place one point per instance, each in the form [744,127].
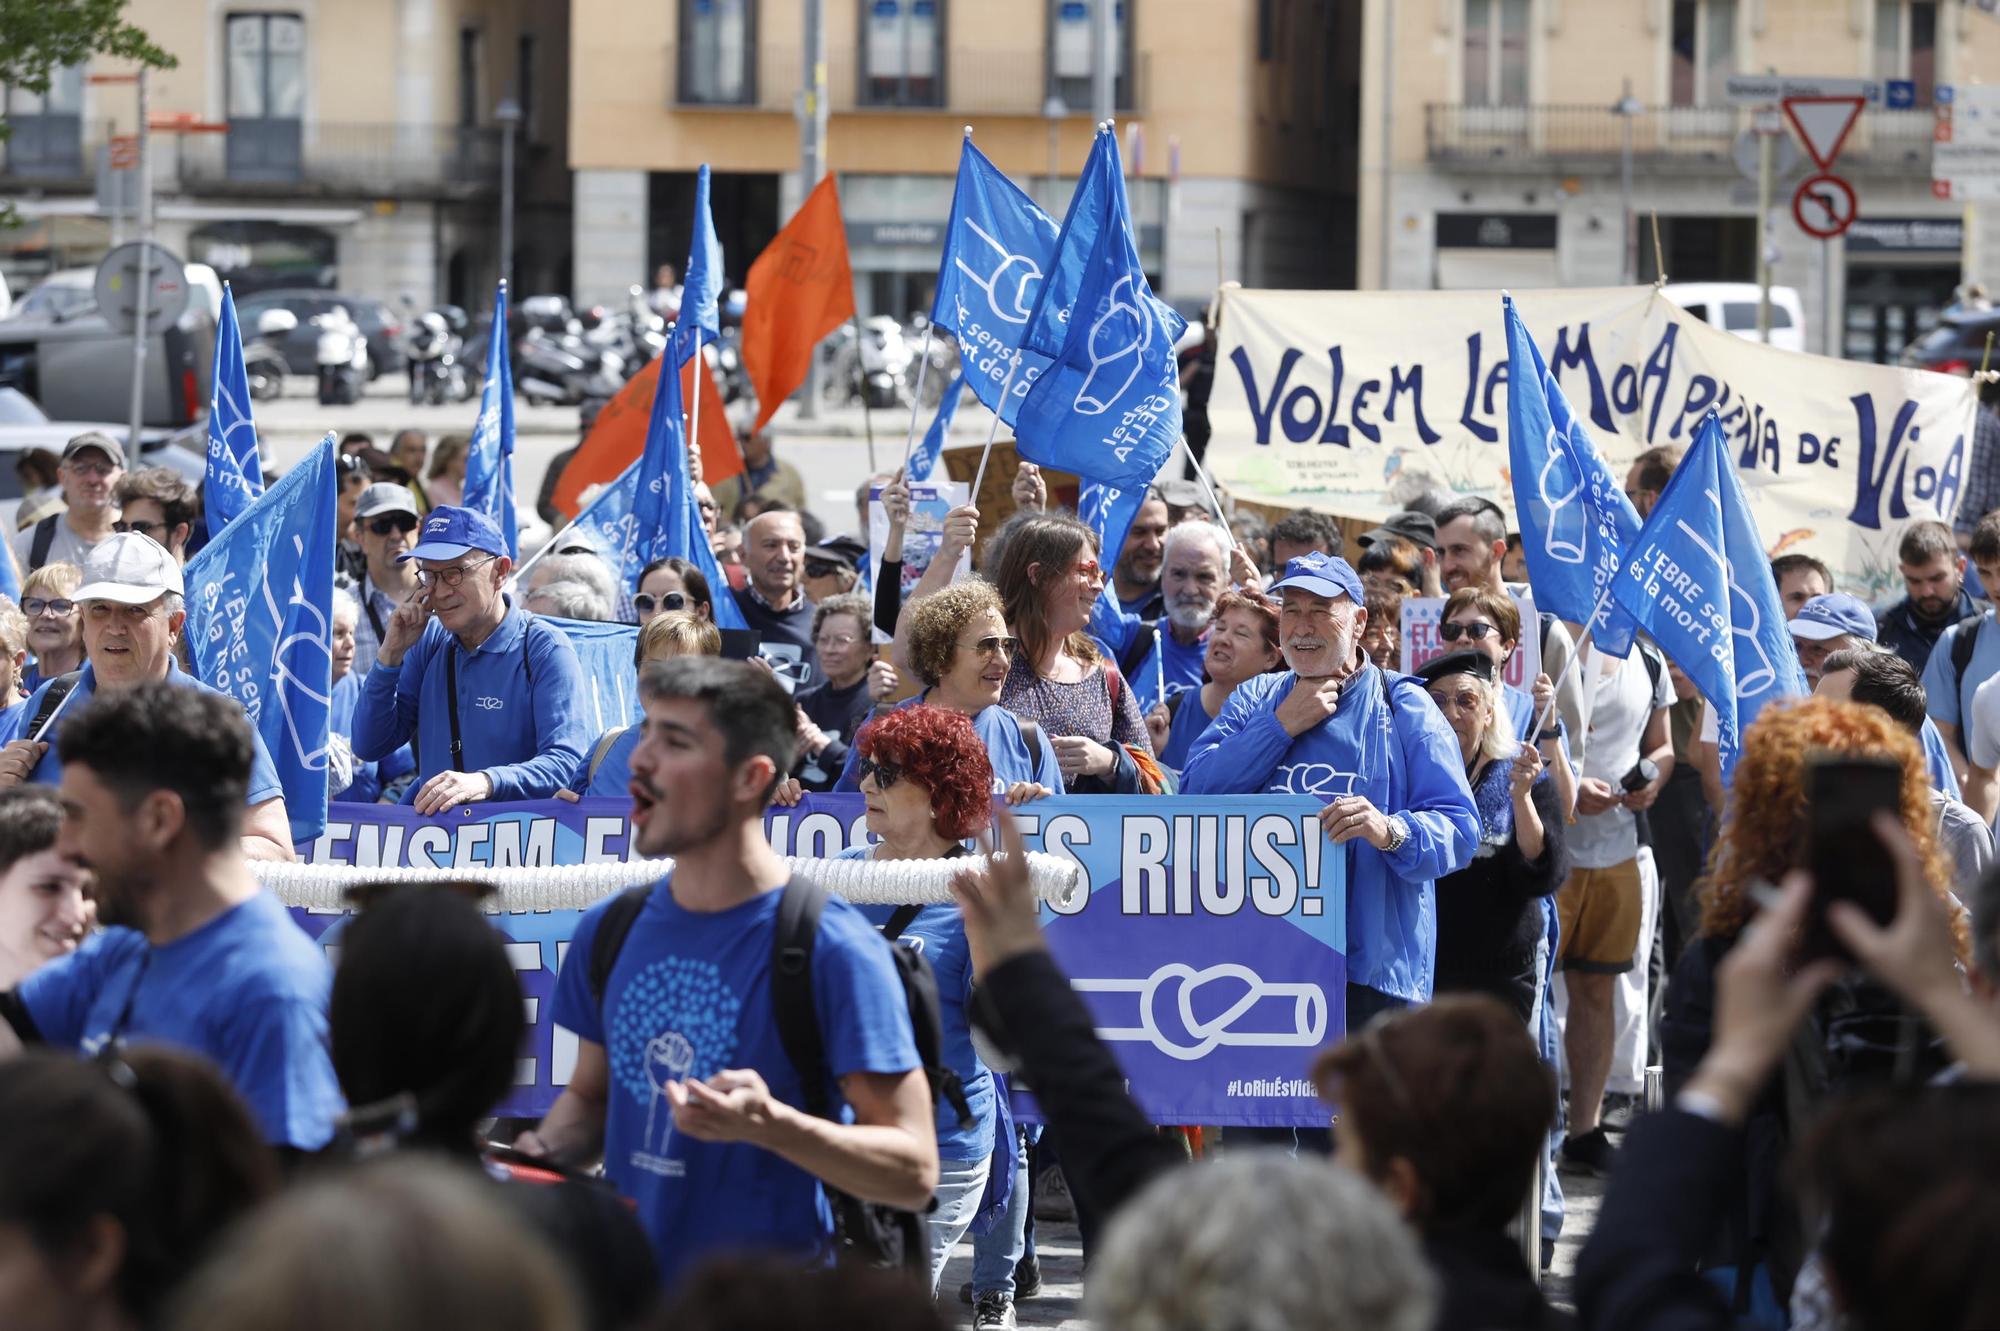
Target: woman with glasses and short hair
[672,584]
[1482,620]
[832,710]
[55,629]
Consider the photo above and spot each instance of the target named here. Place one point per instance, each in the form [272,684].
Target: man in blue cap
[1374,745]
[488,692]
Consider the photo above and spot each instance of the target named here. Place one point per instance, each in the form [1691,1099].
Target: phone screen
[1847,859]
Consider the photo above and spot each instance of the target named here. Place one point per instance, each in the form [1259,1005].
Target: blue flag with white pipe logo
[1576,522]
[665,515]
[1108,408]
[701,283]
[997,248]
[259,604]
[1696,579]
[924,457]
[489,461]
[234,475]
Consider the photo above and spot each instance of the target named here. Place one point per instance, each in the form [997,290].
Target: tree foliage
[39,37]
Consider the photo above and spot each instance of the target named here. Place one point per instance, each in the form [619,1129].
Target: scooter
[342,357]
[436,374]
[263,363]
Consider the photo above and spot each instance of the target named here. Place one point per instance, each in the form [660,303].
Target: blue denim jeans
[996,1252]
[960,1184]
[1550,1040]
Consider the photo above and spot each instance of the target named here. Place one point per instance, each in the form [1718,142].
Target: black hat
[839,550]
[1410,525]
[1465,662]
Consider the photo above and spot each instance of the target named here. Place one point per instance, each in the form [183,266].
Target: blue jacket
[1397,751]
[518,708]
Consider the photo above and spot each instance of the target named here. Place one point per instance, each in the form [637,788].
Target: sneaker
[1592,1153]
[1619,1110]
[994,1312]
[1028,1277]
[1052,1199]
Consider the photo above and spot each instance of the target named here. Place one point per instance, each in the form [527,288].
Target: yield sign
[1823,124]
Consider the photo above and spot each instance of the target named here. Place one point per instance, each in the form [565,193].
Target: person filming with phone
[1811,780]
[488,694]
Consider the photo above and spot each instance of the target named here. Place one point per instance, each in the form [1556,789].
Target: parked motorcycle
[875,367]
[555,364]
[341,355]
[263,363]
[437,374]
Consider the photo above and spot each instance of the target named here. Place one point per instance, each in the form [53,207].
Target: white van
[1732,307]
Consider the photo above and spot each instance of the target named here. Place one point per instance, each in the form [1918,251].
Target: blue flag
[924,457]
[235,475]
[1109,407]
[258,603]
[1576,522]
[998,245]
[701,284]
[665,515]
[610,689]
[1697,579]
[1109,510]
[1089,210]
[489,461]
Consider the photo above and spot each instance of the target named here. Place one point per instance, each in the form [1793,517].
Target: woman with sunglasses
[1242,642]
[960,650]
[672,584]
[55,629]
[1490,918]
[927,784]
[1482,620]
[1049,578]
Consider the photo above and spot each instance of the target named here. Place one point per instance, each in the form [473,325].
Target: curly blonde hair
[935,621]
[1764,828]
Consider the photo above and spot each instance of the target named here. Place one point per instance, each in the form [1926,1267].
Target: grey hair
[1498,743]
[173,603]
[578,567]
[344,603]
[1201,532]
[570,600]
[1260,1242]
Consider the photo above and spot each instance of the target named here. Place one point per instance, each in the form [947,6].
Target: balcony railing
[1014,83]
[386,159]
[1665,139]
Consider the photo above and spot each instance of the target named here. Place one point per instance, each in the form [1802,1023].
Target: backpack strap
[1031,735]
[1174,701]
[1964,641]
[1135,651]
[45,539]
[609,940]
[603,750]
[791,988]
[900,921]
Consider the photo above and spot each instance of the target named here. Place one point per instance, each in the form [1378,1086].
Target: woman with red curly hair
[1853,1037]
[928,786]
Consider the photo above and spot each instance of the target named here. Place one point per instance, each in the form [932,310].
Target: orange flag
[619,434]
[799,290]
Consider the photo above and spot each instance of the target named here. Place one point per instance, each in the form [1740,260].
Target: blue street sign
[1900,94]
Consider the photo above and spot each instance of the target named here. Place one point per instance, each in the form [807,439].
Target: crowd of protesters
[1550,890]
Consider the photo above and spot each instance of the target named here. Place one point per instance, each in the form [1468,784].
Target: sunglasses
[36,605]
[389,522]
[142,528]
[1476,632]
[996,645]
[886,774]
[645,602]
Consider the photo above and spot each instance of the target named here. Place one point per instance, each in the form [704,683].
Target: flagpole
[1005,387]
[861,382]
[916,402]
[1575,661]
[700,368]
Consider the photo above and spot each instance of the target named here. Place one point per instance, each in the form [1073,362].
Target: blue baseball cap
[450,532]
[1831,615]
[1322,575]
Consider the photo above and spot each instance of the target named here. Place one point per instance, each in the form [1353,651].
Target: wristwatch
[1399,832]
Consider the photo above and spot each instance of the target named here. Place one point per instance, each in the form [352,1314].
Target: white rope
[580,886]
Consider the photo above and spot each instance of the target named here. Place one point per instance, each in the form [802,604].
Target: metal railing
[1664,138]
[335,157]
[1010,83]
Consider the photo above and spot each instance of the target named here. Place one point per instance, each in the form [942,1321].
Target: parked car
[69,292]
[380,325]
[1732,307]
[79,369]
[24,425]
[1956,345]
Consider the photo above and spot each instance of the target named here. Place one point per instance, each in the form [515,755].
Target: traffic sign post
[1824,206]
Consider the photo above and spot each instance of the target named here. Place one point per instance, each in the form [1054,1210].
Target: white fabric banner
[1348,401]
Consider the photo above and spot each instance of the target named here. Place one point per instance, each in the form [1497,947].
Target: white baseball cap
[130,568]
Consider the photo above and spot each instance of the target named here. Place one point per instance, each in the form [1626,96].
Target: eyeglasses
[450,577]
[382,526]
[86,467]
[143,528]
[1088,568]
[645,602]
[886,774]
[994,645]
[36,606]
[1477,632]
[836,641]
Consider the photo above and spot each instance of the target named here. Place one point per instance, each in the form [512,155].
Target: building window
[1704,51]
[902,53]
[1496,52]
[265,94]
[469,45]
[1906,44]
[1072,51]
[718,48]
[46,129]
[524,80]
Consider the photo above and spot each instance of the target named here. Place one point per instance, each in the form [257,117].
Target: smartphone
[1847,859]
[740,644]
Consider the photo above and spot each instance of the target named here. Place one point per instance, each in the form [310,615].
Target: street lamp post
[1626,108]
[508,116]
[1053,110]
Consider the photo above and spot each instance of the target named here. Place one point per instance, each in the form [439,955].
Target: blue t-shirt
[520,698]
[1166,660]
[690,996]
[1190,720]
[263,772]
[938,932]
[614,772]
[1952,706]
[369,777]
[248,990]
[1000,731]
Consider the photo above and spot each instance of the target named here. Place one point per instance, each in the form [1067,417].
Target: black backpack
[865,1233]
